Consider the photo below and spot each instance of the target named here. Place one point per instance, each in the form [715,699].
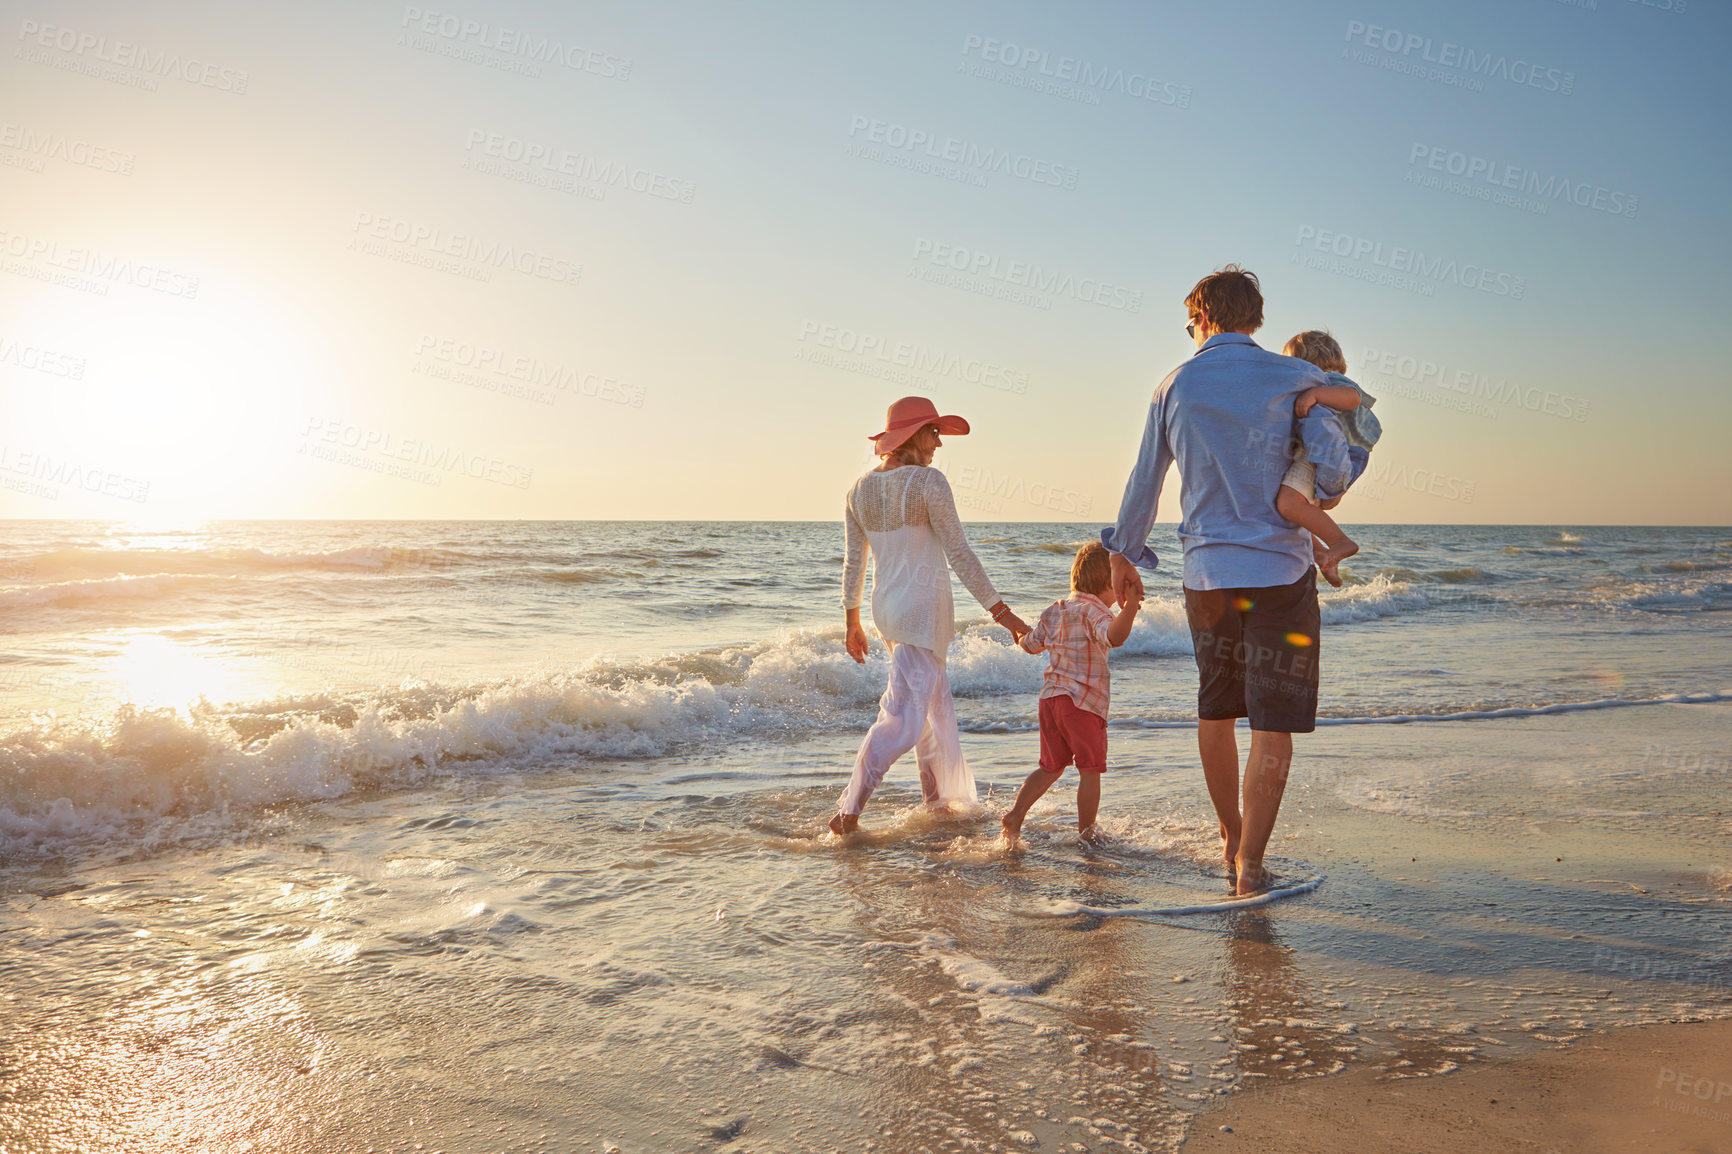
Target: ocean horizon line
[782,521]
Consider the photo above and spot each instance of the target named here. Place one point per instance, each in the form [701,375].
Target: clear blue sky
[682,270]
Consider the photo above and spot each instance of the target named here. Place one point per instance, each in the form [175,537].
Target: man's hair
[1232,299]
[1318,347]
[1092,571]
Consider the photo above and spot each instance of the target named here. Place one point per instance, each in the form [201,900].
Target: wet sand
[1653,1089]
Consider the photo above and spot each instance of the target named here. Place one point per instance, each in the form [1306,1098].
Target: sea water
[509,836]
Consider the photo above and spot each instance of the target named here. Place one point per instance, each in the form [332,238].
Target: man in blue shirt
[1226,418]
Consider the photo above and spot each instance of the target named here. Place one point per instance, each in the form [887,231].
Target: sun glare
[186,399]
[154,672]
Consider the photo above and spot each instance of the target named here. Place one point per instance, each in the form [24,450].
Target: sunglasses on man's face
[1191,330]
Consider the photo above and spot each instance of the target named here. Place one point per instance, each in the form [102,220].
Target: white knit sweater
[906,519]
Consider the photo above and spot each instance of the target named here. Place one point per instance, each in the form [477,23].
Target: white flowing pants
[916,712]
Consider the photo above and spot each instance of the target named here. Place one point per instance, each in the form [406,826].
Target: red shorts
[1069,733]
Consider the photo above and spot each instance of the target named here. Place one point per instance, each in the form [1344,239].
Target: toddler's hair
[1092,571]
[1318,347]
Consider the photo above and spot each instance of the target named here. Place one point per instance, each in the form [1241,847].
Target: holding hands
[1018,627]
[1127,582]
[856,642]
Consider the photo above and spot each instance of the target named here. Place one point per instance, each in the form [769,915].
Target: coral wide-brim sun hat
[907,417]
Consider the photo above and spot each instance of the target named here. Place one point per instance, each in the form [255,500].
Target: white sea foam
[1712,595]
[1160,629]
[143,774]
[969,972]
[150,774]
[982,662]
[1056,908]
[1380,597]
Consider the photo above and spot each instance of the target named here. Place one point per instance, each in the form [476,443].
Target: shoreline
[1665,1087]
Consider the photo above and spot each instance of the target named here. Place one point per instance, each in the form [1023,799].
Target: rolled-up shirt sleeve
[1034,641]
[1129,537]
[1326,447]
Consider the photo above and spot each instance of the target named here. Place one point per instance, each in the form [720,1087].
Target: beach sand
[1652,1089]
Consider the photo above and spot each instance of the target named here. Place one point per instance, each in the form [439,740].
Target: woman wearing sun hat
[903,515]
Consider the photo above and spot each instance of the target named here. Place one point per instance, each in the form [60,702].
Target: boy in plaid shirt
[1075,633]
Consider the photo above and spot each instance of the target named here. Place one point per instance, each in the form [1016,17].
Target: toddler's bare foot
[1012,823]
[1330,565]
[844,823]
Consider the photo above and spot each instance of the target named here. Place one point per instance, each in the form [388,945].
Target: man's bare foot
[1012,823]
[1329,561]
[1230,851]
[1252,879]
[844,823]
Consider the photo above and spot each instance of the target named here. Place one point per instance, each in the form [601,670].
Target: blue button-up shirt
[1226,417]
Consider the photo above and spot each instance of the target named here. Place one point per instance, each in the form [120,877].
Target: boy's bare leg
[1034,787]
[1265,782]
[1337,545]
[844,823]
[1088,804]
[1219,750]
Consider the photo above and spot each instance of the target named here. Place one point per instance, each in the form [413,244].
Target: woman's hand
[856,642]
[1017,626]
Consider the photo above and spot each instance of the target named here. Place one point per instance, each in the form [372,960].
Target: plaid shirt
[1073,633]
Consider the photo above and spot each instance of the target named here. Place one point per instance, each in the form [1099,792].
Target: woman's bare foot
[844,823]
[1093,835]
[1329,560]
[1012,823]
